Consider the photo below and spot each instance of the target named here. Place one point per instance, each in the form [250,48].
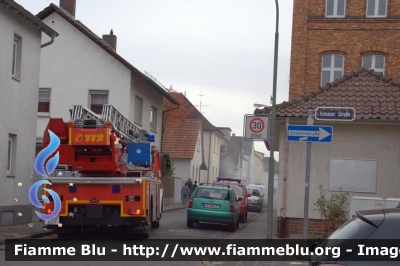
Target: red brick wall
[353,36]
[69,6]
[316,228]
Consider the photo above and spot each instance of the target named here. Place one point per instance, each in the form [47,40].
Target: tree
[173,114]
[334,210]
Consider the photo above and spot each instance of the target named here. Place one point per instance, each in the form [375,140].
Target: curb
[176,208]
[32,236]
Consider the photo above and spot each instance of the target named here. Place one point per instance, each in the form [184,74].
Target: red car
[240,190]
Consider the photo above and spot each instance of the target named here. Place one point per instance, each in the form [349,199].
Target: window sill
[17,79]
[138,124]
[43,114]
[153,130]
[10,175]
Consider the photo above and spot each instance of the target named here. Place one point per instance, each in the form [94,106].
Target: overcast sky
[222,49]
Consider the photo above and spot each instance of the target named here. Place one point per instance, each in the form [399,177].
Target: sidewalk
[35,229]
[255,228]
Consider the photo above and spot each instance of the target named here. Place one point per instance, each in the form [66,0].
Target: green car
[213,204]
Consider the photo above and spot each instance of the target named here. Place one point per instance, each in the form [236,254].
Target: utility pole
[271,170]
[310,122]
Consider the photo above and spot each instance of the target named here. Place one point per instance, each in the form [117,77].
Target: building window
[11,154]
[332,68]
[138,110]
[96,101]
[16,59]
[335,8]
[217,146]
[153,119]
[193,176]
[376,8]
[44,101]
[198,144]
[375,62]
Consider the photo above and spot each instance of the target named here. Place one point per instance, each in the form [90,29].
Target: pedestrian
[189,184]
[194,186]
[185,193]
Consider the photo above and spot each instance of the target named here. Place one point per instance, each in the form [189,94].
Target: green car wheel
[189,223]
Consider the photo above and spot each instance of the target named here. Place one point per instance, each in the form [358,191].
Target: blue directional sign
[309,133]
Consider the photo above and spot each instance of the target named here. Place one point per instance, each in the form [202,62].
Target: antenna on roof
[201,105]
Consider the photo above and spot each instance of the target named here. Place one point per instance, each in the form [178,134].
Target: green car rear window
[213,193]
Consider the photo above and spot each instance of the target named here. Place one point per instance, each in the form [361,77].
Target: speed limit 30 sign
[256,127]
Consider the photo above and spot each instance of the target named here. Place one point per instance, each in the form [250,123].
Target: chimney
[111,40]
[69,6]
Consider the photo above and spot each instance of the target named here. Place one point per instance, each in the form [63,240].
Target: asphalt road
[172,226]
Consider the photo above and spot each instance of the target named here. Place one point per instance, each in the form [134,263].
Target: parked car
[263,191]
[213,204]
[255,201]
[240,190]
[369,228]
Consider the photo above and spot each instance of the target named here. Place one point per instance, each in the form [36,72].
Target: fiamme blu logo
[40,169]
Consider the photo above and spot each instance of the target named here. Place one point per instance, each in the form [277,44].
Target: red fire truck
[108,174]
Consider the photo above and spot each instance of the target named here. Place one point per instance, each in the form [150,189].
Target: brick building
[333,37]
[344,54]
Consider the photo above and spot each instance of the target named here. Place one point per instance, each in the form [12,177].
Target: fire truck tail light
[116,189]
[49,211]
[135,212]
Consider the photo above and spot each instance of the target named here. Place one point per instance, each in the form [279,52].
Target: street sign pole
[307,182]
[271,169]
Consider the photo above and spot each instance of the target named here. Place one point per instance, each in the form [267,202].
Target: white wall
[196,161]
[258,167]
[211,156]
[182,168]
[74,65]
[150,97]
[18,105]
[354,141]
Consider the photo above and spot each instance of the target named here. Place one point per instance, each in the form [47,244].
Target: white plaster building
[20,49]
[84,69]
[363,157]
[258,167]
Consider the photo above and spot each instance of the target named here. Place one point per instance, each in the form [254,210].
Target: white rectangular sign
[256,127]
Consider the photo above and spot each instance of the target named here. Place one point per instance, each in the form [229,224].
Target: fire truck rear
[108,174]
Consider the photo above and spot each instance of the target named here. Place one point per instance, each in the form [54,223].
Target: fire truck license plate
[55,220]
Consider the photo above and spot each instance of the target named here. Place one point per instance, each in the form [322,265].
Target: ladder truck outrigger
[108,174]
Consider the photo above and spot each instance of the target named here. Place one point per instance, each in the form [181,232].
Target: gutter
[285,173]
[52,36]
[209,156]
[25,14]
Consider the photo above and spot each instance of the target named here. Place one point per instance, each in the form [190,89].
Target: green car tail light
[232,207]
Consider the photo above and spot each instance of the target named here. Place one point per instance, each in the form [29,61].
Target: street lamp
[259,105]
[272,133]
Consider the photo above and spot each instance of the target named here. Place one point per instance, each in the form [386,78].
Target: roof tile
[180,139]
[373,95]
